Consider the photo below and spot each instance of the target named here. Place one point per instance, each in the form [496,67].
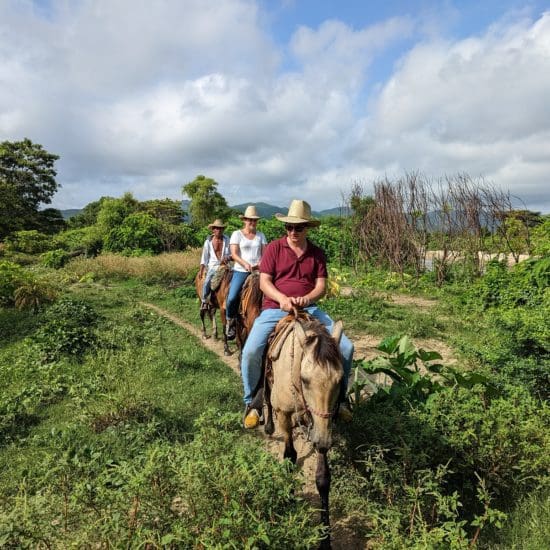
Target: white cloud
[143,99]
[477,105]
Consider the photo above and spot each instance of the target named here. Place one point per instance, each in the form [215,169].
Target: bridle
[298,388]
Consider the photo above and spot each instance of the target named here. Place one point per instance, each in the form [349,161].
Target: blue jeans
[233,296]
[252,354]
[206,284]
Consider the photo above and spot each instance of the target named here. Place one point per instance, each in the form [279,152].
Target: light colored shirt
[209,258]
[250,250]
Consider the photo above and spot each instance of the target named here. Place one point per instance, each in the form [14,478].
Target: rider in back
[293,275]
[215,251]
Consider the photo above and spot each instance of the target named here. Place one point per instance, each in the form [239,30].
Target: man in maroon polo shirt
[293,273]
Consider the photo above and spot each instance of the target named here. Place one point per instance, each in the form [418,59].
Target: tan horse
[218,300]
[304,368]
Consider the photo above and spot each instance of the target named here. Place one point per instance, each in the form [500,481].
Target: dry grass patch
[164,267]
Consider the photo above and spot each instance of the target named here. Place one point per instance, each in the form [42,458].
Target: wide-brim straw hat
[216,223]
[251,213]
[299,212]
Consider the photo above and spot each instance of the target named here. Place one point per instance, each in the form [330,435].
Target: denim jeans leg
[206,285]
[346,347]
[233,296]
[253,351]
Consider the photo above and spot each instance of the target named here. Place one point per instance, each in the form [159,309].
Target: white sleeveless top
[250,250]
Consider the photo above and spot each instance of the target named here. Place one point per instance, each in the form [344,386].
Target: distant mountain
[70,213]
[264,210]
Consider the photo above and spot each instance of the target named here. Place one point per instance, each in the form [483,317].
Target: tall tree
[27,180]
[206,202]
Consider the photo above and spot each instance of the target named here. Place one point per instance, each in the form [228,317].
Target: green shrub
[138,234]
[29,242]
[68,329]
[55,259]
[11,277]
[431,473]
[218,491]
[87,240]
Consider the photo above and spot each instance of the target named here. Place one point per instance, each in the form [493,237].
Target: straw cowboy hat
[216,223]
[250,213]
[299,212]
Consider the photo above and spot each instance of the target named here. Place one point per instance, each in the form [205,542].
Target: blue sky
[278,99]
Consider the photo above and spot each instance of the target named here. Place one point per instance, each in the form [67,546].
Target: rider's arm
[268,288]
[312,296]
[235,249]
[205,258]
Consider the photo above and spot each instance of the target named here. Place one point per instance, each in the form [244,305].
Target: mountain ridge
[265,210]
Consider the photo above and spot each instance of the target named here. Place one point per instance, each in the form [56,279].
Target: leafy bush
[29,242]
[540,238]
[33,294]
[138,232]
[54,258]
[68,329]
[87,240]
[11,277]
[401,364]
[218,491]
[438,472]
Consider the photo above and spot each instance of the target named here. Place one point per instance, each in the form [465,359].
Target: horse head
[321,372]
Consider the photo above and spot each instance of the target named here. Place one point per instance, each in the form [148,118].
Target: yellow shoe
[251,418]
[344,413]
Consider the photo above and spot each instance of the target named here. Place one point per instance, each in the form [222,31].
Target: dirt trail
[307,458]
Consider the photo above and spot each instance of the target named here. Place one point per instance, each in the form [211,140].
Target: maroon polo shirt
[291,275]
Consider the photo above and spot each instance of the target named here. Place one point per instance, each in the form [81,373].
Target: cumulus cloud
[142,99]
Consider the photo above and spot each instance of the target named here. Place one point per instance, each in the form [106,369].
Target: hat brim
[212,225]
[294,219]
[242,216]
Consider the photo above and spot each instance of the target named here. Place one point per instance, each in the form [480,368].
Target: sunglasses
[217,228]
[297,228]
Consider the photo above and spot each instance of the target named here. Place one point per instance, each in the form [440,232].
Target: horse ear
[337,331]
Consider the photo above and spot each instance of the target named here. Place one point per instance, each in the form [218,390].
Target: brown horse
[304,369]
[251,304]
[218,300]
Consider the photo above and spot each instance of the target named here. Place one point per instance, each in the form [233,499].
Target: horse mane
[326,350]
[251,293]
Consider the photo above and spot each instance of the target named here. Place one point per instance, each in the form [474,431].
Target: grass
[97,451]
[174,267]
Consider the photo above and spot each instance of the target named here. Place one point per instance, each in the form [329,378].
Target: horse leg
[269,427]
[202,313]
[212,314]
[285,424]
[322,480]
[224,322]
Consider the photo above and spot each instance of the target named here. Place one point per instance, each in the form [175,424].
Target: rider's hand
[248,267]
[286,304]
[301,301]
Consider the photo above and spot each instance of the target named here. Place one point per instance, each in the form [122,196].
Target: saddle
[277,338]
[216,280]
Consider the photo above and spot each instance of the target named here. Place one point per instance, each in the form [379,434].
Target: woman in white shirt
[247,246]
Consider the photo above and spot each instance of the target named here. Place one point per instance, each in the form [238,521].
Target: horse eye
[305,382]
